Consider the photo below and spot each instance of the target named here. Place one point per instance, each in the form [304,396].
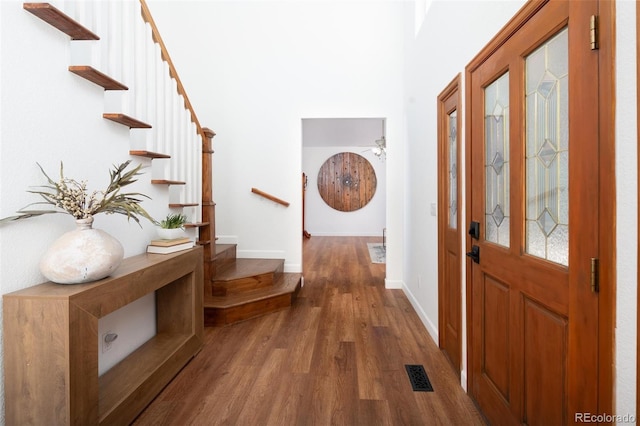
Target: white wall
[626,208]
[258,70]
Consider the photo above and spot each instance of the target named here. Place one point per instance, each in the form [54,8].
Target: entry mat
[377,252]
[419,379]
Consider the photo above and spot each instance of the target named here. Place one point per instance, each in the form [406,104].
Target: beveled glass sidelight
[496,113]
[453,170]
[547,150]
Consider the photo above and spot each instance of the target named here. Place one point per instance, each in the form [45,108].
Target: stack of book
[169,246]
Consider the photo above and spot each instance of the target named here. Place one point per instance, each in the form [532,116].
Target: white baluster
[194,161]
[82,52]
[183,167]
[197,158]
[189,164]
[115,101]
[159,125]
[76,10]
[184,140]
[113,66]
[151,98]
[85,15]
[128,57]
[103,17]
[68,7]
[169,112]
[177,128]
[166,110]
[140,64]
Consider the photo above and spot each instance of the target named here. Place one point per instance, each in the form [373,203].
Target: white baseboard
[292,267]
[463,380]
[260,254]
[377,233]
[430,326]
[393,284]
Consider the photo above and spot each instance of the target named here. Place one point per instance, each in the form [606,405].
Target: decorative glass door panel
[496,113]
[453,166]
[547,150]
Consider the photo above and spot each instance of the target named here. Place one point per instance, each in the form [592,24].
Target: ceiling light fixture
[381,144]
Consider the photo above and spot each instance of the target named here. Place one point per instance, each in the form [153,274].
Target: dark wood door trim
[448,100]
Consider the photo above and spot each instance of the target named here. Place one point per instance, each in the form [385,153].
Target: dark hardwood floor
[337,357]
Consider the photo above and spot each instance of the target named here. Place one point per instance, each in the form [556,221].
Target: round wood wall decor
[347,182]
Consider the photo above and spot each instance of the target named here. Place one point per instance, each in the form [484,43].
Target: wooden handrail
[146,15]
[269,197]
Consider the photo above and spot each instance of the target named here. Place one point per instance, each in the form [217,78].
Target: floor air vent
[419,379]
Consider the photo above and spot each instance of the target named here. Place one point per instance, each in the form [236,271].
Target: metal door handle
[474,254]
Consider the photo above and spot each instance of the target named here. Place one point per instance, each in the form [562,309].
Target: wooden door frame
[638,212]
[606,82]
[443,204]
[607,307]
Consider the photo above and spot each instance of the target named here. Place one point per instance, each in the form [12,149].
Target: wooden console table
[51,343]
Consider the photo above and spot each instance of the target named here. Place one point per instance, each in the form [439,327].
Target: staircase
[241,289]
[234,289]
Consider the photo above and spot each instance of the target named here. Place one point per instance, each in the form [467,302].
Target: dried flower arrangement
[70,196]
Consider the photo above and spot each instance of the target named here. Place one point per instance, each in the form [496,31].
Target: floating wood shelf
[52,343]
[148,154]
[184,205]
[93,75]
[60,20]
[167,182]
[126,120]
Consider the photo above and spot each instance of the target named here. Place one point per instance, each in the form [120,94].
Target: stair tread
[243,268]
[285,283]
[60,20]
[126,121]
[95,76]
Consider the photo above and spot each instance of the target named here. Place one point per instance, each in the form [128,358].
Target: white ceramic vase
[82,255]
[170,234]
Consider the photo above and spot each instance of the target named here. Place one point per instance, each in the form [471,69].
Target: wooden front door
[533,190]
[449,224]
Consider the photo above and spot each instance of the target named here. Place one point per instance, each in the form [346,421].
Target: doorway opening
[344,177]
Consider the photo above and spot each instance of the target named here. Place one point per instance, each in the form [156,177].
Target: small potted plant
[172,226]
